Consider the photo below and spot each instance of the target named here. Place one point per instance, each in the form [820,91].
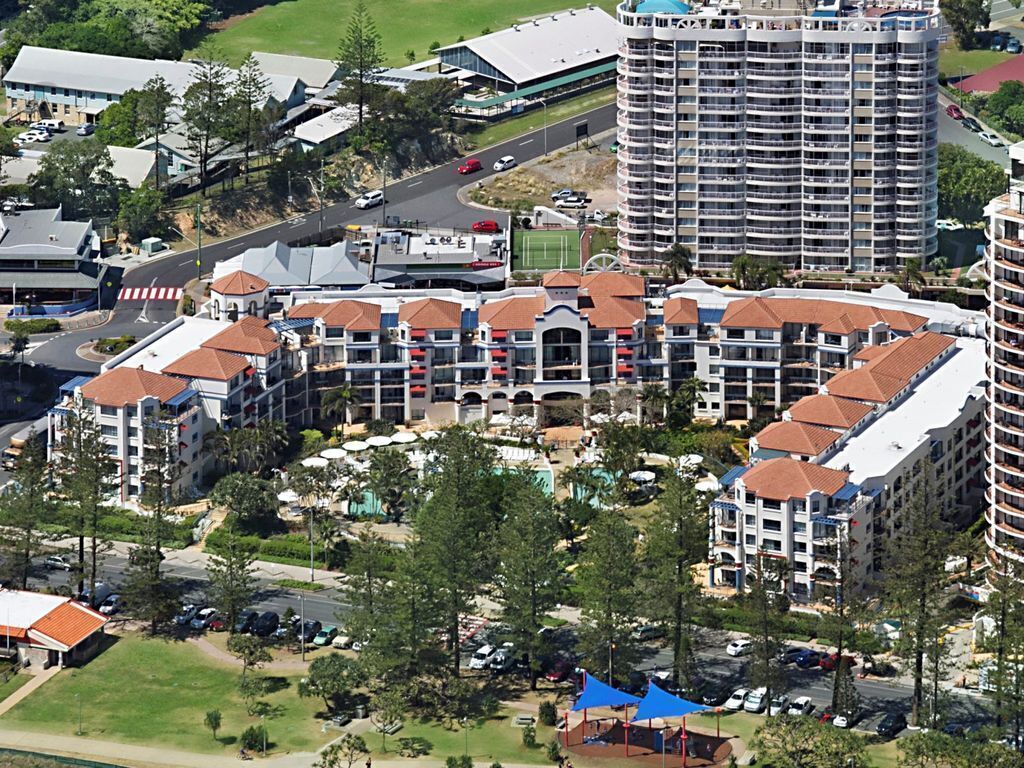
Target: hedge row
[794,626]
[293,548]
[35,325]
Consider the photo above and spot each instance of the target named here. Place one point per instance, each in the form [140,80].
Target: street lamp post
[302,623]
[78,699]
[199,241]
[545,105]
[611,648]
[465,729]
[263,727]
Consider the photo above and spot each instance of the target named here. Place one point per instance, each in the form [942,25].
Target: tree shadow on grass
[267,710]
[275,684]
[227,741]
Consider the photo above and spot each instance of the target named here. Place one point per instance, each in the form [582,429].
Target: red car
[955,112]
[559,670]
[831,662]
[486,226]
[470,166]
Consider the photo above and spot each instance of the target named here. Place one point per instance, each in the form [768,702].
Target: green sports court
[538,250]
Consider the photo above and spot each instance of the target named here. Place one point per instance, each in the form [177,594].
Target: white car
[341,641]
[844,721]
[739,648]
[186,614]
[27,137]
[950,225]
[802,705]
[370,200]
[756,701]
[991,139]
[778,705]
[111,605]
[503,658]
[483,657]
[572,202]
[504,163]
[735,702]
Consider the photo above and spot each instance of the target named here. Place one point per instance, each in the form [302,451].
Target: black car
[245,621]
[971,124]
[891,725]
[309,630]
[716,697]
[788,654]
[266,624]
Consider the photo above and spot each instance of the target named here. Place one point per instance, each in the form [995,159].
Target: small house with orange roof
[48,630]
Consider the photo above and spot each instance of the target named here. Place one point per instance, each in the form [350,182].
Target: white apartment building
[779,129]
[1005,535]
[827,482]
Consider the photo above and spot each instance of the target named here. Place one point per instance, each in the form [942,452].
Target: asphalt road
[952,132]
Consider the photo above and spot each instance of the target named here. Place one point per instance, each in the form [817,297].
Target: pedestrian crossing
[152,293]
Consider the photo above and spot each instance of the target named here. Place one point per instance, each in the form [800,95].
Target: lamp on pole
[263,727]
[199,240]
[465,729]
[545,105]
[78,699]
[302,623]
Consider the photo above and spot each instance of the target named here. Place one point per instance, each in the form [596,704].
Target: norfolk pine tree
[767,599]
[204,113]
[152,104]
[1006,608]
[232,579]
[529,574]
[360,55]
[249,95]
[25,506]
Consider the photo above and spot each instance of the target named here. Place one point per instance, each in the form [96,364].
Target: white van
[50,124]
[483,657]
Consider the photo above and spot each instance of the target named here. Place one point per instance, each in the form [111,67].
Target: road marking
[524,143]
[415,183]
[187,261]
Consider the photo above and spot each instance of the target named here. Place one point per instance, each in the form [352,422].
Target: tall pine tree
[360,57]
[25,505]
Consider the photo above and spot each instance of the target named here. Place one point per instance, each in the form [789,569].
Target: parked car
[266,624]
[778,705]
[340,641]
[949,225]
[598,217]
[971,124]
[103,591]
[218,625]
[186,614]
[503,658]
[370,200]
[808,659]
[56,563]
[955,112]
[483,657]
[801,705]
[991,139]
[472,165]
[325,635]
[203,619]
[891,725]
[648,632]
[504,163]
[86,129]
[735,702]
[739,648]
[561,194]
[245,620]
[309,631]
[111,605]
[487,225]
[756,701]
[1013,45]
[997,43]
[50,124]
[831,662]
[559,670]
[614,148]
[847,720]
[572,202]
[789,654]
[28,137]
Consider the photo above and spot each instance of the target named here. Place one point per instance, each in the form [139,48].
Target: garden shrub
[547,713]
[35,325]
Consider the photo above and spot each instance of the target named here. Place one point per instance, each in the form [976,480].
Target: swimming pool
[545,476]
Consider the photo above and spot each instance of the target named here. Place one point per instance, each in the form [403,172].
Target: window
[108,431]
[799,527]
[442,335]
[775,526]
[751,540]
[107,410]
[528,335]
[132,432]
[749,521]
[799,546]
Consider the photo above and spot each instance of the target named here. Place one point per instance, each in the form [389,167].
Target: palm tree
[19,344]
[752,274]
[685,398]
[655,399]
[756,401]
[677,260]
[240,448]
[743,269]
[337,401]
[269,437]
[911,279]
[215,444]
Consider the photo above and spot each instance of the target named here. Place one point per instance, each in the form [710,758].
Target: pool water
[545,477]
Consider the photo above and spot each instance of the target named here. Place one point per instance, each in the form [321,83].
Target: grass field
[544,250]
[314,27]
[508,129]
[951,59]
[156,692]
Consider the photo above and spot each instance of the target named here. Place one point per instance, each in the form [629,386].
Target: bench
[522,721]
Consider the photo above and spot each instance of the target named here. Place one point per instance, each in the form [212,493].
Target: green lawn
[542,250]
[976,60]
[516,126]
[16,681]
[156,692]
[314,27]
[494,740]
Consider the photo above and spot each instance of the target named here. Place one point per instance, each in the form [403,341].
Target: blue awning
[659,704]
[292,324]
[732,475]
[72,384]
[847,492]
[597,694]
[655,319]
[709,316]
[182,397]
[873,492]
[825,14]
[824,520]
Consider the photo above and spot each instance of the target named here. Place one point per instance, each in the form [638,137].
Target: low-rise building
[461,261]
[48,630]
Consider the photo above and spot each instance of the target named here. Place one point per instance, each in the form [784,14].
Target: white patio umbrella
[404,437]
[500,420]
[430,435]
[690,461]
[288,497]
[378,441]
[315,461]
[642,476]
[600,418]
[708,486]
[355,446]
[626,416]
[333,454]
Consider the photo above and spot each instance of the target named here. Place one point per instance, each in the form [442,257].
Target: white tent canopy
[642,476]
[355,446]
[315,461]
[288,497]
[333,454]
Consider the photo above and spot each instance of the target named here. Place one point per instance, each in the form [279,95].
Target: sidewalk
[37,680]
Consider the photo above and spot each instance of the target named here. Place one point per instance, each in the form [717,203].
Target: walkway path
[36,681]
[278,665]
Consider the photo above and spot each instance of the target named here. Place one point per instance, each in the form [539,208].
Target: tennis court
[545,249]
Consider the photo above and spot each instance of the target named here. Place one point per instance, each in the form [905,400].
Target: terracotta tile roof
[69,624]
[208,364]
[784,479]
[515,314]
[247,336]
[680,311]
[757,312]
[611,311]
[126,386]
[888,372]
[561,279]
[431,313]
[795,437]
[828,411]
[612,284]
[870,353]
[348,314]
[238,283]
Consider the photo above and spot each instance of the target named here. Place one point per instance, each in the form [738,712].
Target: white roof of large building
[316,73]
[281,265]
[326,126]
[933,403]
[547,45]
[161,349]
[23,609]
[132,165]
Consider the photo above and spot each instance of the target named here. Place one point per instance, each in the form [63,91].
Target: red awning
[417,391]
[624,369]
[498,353]
[418,334]
[418,371]
[418,352]
[250,371]
[624,332]
[182,427]
[499,335]
[624,350]
[499,371]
